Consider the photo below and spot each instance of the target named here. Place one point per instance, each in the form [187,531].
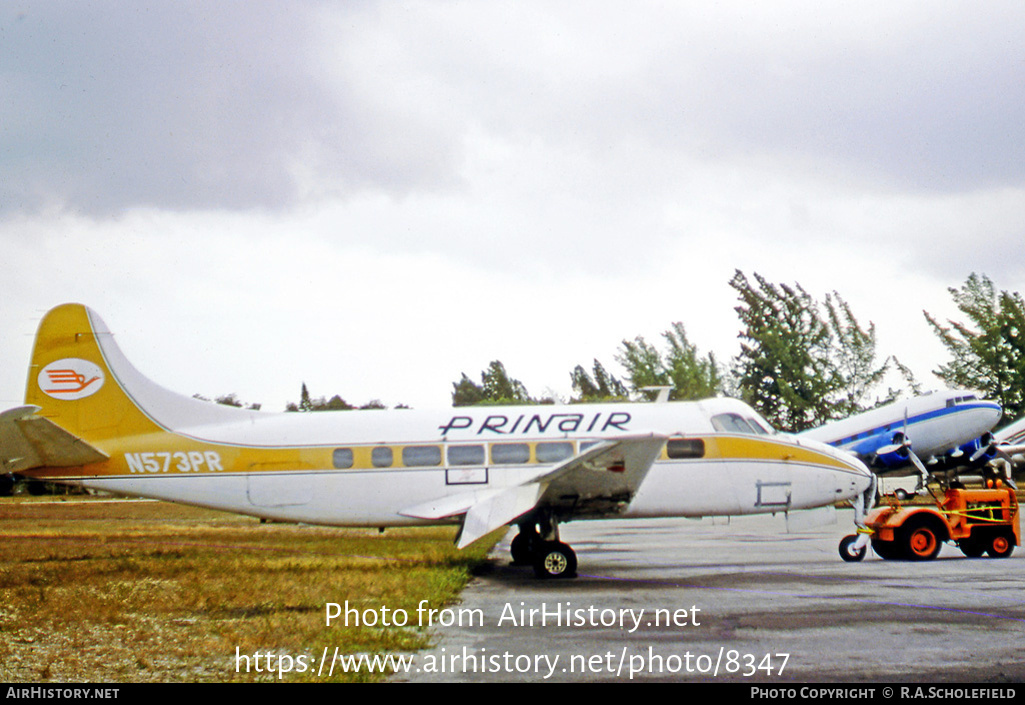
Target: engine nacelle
[983,443]
[895,453]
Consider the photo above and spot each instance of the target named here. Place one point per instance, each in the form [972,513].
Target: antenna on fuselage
[662,395]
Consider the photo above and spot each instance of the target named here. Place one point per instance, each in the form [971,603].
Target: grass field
[98,590]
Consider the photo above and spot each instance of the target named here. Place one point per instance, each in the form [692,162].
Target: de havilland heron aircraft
[91,419]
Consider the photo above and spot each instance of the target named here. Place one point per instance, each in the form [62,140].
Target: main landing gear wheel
[847,550]
[524,546]
[554,559]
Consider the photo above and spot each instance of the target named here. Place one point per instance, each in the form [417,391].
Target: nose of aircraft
[860,477]
[864,479]
[851,477]
[992,413]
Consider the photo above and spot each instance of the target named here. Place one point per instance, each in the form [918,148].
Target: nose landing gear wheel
[847,550]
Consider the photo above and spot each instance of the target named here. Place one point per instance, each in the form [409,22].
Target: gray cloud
[585,112]
[183,105]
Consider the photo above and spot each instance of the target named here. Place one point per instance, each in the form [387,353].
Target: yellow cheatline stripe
[150,448]
[754,447]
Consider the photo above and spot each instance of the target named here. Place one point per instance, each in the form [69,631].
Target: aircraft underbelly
[313,497]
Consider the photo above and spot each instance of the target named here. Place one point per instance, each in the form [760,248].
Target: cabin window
[382,457]
[685,448]
[421,456]
[466,455]
[553,452]
[510,453]
[342,458]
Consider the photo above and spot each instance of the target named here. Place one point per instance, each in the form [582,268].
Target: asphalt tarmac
[738,600]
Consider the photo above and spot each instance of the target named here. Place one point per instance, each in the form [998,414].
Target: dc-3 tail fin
[84,391]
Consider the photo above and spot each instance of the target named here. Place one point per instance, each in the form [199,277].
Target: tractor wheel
[1000,545]
[887,550]
[971,547]
[920,538]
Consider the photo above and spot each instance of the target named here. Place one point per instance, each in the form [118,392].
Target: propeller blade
[923,479]
[918,464]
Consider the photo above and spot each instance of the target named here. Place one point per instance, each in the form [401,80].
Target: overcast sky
[375,197]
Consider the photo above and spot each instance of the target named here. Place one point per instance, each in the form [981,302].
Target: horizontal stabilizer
[28,441]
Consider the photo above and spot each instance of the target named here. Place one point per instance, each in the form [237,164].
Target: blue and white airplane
[950,428]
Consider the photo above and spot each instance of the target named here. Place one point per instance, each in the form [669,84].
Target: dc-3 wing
[28,441]
[601,480]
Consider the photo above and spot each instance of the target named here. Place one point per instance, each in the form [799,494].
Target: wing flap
[28,441]
[450,506]
[494,513]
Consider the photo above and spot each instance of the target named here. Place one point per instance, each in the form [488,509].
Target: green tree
[305,403]
[854,360]
[783,368]
[601,387]
[467,393]
[795,367]
[496,387]
[988,352]
[690,375]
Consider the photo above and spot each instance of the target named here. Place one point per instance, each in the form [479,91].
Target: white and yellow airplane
[92,419]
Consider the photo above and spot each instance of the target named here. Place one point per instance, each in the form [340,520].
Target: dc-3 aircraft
[950,429]
[92,419]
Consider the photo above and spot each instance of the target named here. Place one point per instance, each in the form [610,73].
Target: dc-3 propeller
[901,446]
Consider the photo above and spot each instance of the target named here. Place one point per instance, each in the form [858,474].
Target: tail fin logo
[70,379]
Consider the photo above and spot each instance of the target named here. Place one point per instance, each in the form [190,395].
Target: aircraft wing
[601,480]
[28,441]
[1011,442]
[604,478]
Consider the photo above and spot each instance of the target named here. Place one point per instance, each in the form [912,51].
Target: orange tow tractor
[983,520]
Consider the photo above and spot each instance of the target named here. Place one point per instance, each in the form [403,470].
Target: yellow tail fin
[82,382]
[72,382]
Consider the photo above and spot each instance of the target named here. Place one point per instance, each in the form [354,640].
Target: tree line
[802,361]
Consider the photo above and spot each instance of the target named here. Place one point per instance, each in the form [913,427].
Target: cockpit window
[758,428]
[731,423]
[735,423]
